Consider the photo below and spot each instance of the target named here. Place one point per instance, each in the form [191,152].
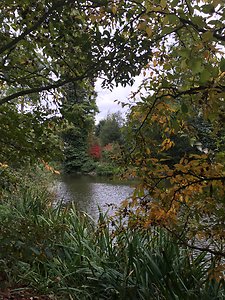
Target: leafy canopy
[109,129]
[47,44]
[182,95]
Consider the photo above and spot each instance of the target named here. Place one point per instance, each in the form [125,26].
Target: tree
[27,136]
[48,44]
[109,130]
[45,45]
[184,80]
[79,109]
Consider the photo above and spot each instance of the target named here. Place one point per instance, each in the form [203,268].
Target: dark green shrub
[88,166]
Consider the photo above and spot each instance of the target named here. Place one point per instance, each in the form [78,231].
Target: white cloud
[106,98]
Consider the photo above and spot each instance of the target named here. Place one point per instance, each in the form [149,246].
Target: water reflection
[90,192]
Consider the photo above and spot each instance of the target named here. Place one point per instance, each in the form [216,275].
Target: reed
[59,251]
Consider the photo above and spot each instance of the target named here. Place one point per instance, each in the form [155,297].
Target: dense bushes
[105,169]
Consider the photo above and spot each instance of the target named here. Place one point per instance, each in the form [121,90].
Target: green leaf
[207,9]
[190,7]
[222,65]
[173,19]
[167,30]
[213,70]
[196,66]
[205,76]
[199,21]
[185,53]
[165,83]
[175,124]
[183,65]
[207,36]
[163,3]
[174,3]
[184,108]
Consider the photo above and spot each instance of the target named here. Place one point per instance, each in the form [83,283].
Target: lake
[91,192]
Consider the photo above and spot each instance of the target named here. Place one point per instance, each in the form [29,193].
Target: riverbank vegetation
[92,149]
[56,251]
[173,243]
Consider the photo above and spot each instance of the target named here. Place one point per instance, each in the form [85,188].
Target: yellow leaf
[163,3]
[206,54]
[145,17]
[207,36]
[114,9]
[56,172]
[124,203]
[142,25]
[148,31]
[93,18]
[148,151]
[3,165]
[216,2]
[154,63]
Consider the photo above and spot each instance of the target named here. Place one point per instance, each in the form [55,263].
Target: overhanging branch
[16,40]
[39,89]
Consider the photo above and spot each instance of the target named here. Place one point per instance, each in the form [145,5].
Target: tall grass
[58,251]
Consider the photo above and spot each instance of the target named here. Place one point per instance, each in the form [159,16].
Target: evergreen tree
[78,109]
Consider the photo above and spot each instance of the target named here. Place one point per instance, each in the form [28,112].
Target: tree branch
[15,41]
[33,90]
[219,37]
[202,249]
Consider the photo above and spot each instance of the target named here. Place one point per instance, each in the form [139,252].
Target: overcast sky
[106,98]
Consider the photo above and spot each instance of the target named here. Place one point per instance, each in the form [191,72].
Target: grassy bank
[58,252]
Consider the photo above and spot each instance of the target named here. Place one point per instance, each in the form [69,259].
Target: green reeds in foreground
[58,251]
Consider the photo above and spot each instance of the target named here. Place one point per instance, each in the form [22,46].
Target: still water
[90,192]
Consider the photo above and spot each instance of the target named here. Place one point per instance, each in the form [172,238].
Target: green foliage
[109,130]
[27,136]
[55,250]
[88,166]
[75,149]
[8,177]
[180,165]
[79,109]
[106,169]
[109,163]
[47,44]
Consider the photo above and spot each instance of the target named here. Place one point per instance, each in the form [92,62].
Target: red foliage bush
[95,151]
